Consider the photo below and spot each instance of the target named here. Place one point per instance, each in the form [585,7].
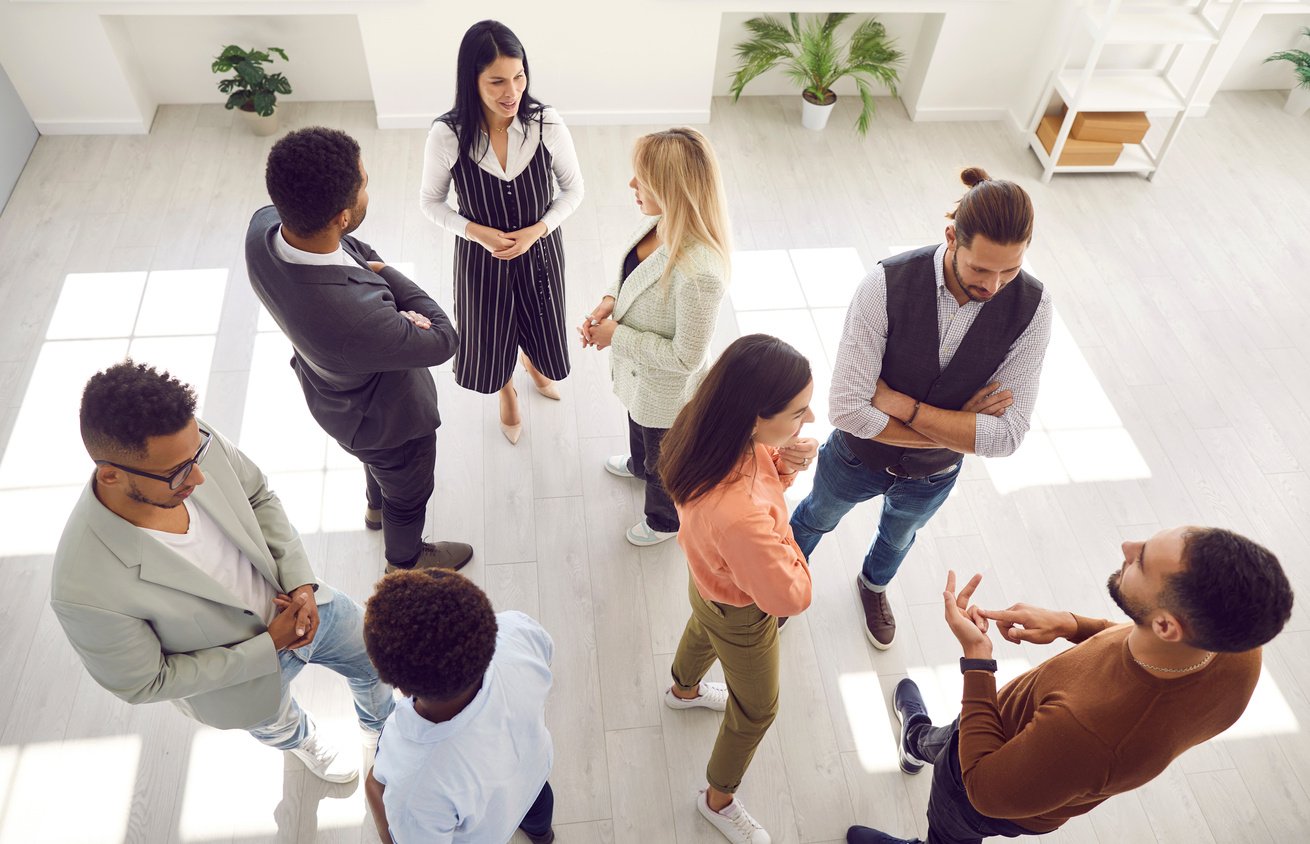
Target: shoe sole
[372,525]
[647,543]
[872,641]
[909,764]
[616,473]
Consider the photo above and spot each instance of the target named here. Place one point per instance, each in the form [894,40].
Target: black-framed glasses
[180,474]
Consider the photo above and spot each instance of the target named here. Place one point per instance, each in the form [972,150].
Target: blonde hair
[677,167]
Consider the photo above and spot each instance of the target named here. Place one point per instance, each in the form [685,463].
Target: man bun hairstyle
[1231,595]
[313,175]
[128,403]
[998,210]
[429,632]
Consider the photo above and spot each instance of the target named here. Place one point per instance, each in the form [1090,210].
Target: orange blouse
[738,542]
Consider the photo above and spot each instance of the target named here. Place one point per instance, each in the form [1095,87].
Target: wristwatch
[967,664]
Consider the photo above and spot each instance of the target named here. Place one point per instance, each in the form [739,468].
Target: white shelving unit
[1170,26]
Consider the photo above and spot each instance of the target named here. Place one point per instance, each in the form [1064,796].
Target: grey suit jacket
[151,626]
[660,351]
[363,367]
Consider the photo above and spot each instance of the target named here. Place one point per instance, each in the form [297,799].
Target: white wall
[1272,34]
[598,61]
[17,137]
[173,54]
[903,29]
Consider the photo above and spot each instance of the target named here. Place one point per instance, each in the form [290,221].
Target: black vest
[910,363]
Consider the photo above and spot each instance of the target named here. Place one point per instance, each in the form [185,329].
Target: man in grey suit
[364,334]
[178,577]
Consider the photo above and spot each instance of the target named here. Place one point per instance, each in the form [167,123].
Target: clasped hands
[506,245]
[296,621]
[1019,623]
[597,328]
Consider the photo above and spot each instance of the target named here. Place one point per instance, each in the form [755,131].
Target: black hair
[483,43]
[755,377]
[429,632]
[1231,595]
[312,176]
[128,403]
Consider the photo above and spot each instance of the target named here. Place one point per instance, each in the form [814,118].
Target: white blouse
[442,151]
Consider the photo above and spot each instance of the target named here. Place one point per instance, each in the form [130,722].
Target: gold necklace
[1208,656]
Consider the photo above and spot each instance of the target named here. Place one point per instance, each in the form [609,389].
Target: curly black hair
[313,175]
[128,403]
[1231,595]
[429,632]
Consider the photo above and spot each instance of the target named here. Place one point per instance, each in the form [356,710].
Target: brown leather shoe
[439,555]
[879,623]
[373,518]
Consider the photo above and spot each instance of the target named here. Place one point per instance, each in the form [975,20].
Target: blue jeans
[841,481]
[339,645]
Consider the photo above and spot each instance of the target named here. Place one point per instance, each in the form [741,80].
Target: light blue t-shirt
[473,778]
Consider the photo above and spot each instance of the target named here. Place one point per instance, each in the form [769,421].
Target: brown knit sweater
[1088,724]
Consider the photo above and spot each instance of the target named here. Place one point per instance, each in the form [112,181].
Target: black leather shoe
[908,703]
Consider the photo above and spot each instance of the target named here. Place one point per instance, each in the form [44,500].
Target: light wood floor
[1177,390]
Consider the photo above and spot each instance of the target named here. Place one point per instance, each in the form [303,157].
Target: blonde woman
[658,317]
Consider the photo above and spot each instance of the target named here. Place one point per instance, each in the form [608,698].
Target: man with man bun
[939,358]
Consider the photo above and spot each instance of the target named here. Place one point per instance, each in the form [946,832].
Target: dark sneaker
[540,839]
[439,555]
[879,623]
[908,703]
[865,835]
[373,518]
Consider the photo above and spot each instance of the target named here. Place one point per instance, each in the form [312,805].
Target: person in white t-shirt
[464,758]
[179,577]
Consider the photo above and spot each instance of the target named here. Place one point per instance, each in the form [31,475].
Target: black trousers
[645,442]
[952,819]
[399,481]
[537,821]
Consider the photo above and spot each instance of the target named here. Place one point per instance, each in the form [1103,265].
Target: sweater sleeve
[1051,761]
[1089,627]
[765,564]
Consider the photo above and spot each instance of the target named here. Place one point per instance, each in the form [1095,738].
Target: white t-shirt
[472,779]
[205,546]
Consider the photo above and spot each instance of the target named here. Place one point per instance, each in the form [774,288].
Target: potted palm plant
[253,90]
[1298,99]
[809,54]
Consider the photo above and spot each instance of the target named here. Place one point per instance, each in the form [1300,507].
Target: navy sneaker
[865,835]
[908,703]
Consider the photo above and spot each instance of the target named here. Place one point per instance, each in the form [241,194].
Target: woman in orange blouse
[726,461]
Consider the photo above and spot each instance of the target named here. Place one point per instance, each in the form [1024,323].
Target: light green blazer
[660,351]
[150,626]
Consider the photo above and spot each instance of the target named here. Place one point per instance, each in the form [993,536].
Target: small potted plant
[810,55]
[253,91]
[1298,99]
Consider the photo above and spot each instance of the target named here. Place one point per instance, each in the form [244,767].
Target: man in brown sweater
[1108,715]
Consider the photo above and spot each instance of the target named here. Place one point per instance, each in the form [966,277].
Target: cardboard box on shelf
[1076,153]
[1116,127]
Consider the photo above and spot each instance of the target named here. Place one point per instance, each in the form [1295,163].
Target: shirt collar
[427,731]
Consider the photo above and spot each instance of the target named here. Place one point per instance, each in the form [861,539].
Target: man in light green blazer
[178,577]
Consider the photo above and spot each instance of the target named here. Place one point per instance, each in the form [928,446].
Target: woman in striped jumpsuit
[503,151]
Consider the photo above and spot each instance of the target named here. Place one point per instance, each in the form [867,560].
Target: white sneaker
[641,535]
[324,761]
[734,822]
[712,696]
[618,465]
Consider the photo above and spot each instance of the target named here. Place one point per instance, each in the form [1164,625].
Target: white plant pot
[815,116]
[1298,101]
[260,125]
